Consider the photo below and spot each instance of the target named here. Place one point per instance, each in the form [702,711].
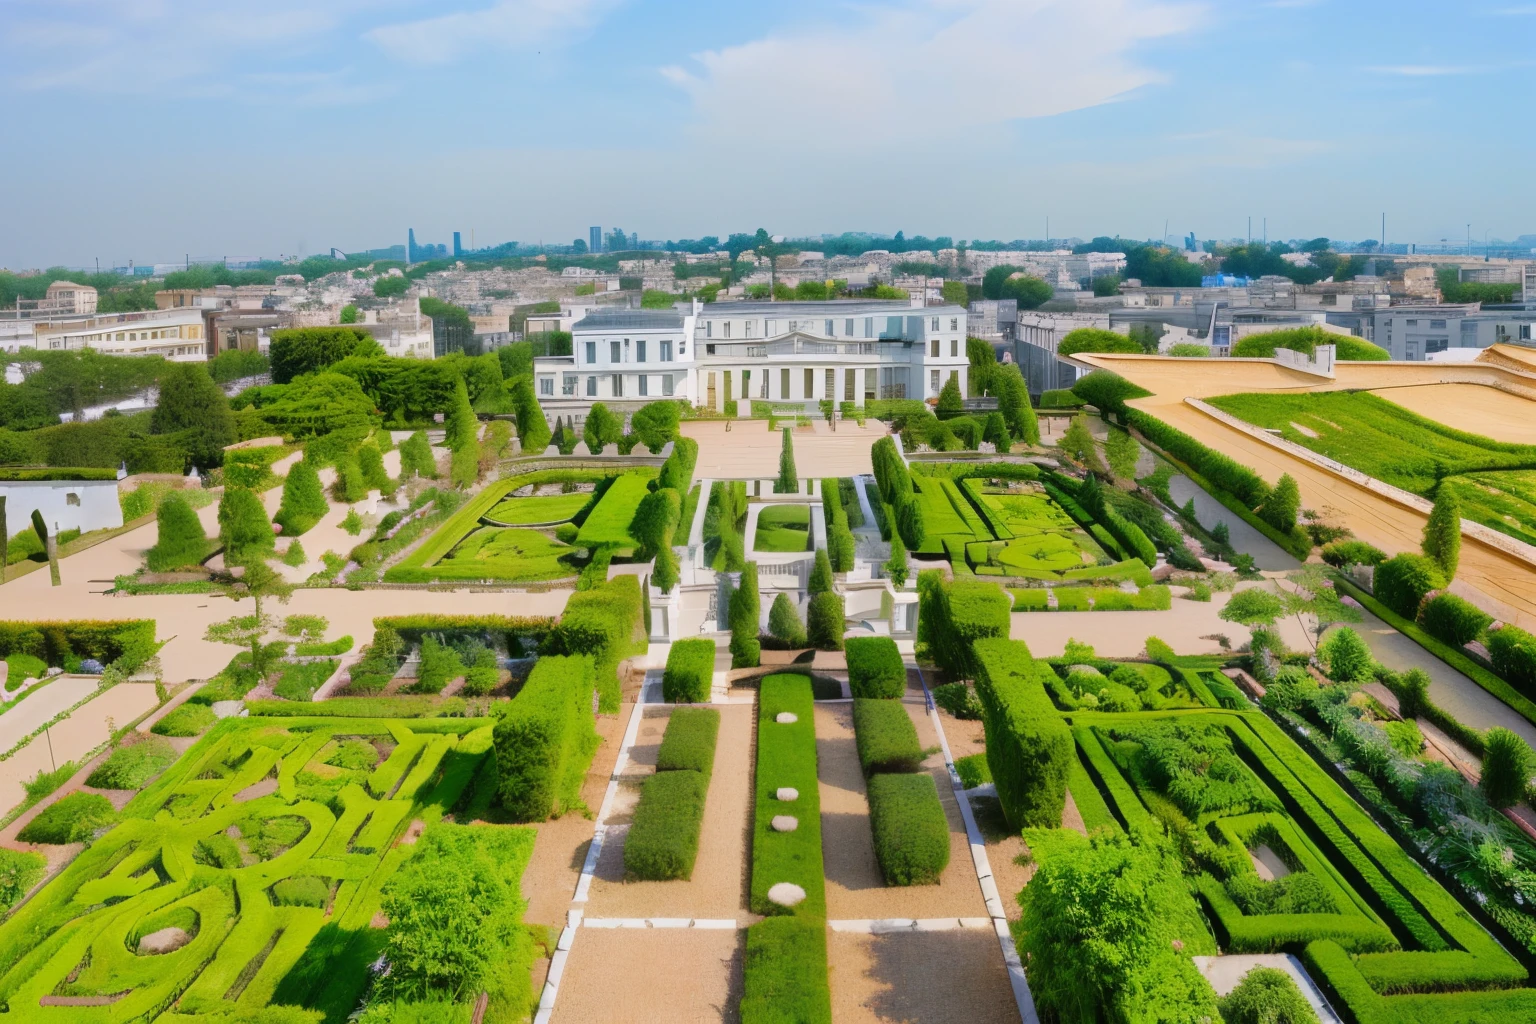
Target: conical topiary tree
[416,457]
[460,426]
[784,622]
[789,480]
[1442,534]
[821,574]
[375,477]
[182,542]
[951,402]
[824,622]
[244,527]
[349,486]
[1283,505]
[896,566]
[743,616]
[304,501]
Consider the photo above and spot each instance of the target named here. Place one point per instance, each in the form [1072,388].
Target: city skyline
[530,120]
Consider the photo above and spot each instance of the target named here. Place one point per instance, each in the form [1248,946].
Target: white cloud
[505,25]
[949,63]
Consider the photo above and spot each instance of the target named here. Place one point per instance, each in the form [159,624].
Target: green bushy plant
[70,819]
[182,542]
[885,736]
[875,667]
[784,622]
[689,674]
[1452,619]
[910,831]
[1402,582]
[825,622]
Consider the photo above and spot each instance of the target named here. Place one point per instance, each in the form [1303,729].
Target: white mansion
[781,352]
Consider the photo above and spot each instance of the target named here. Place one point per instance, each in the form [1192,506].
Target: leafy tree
[1189,350]
[464,465]
[954,293]
[825,622]
[1413,693]
[350,486]
[1123,453]
[601,428]
[784,622]
[665,575]
[789,480]
[1029,292]
[743,617]
[416,457]
[1282,505]
[324,403]
[1013,402]
[983,360]
[532,427]
[460,427]
[260,582]
[244,631]
[995,432]
[190,401]
[391,286]
[821,574]
[1442,533]
[1094,339]
[1077,443]
[992,281]
[181,542]
[1507,764]
[244,527]
[896,566]
[1105,285]
[1346,655]
[951,402]
[309,349]
[348,314]
[375,477]
[656,519]
[1253,607]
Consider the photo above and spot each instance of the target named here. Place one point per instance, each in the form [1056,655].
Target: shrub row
[1453,619]
[606,623]
[1340,977]
[677,471]
[885,737]
[131,642]
[786,757]
[545,737]
[875,667]
[840,544]
[1512,652]
[412,628]
[1029,747]
[688,744]
[1401,583]
[1155,597]
[1275,933]
[784,975]
[954,616]
[688,677]
[910,831]
[663,842]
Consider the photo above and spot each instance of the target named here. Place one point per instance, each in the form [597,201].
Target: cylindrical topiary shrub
[375,477]
[885,736]
[1452,619]
[875,667]
[910,832]
[1506,768]
[655,519]
[821,574]
[182,543]
[349,486]
[1402,582]
[824,622]
[690,671]
[663,842]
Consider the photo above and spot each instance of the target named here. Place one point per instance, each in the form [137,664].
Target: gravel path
[652,976]
[915,977]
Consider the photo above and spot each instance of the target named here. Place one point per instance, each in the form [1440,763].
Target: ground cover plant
[347,789]
[132,765]
[784,528]
[1492,479]
[663,842]
[608,523]
[786,758]
[544,509]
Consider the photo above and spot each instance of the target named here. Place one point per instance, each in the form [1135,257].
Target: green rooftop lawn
[784,528]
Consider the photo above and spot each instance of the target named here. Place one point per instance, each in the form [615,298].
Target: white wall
[95,508]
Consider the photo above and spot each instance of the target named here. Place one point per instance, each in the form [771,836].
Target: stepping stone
[786,718]
[786,793]
[786,894]
[784,823]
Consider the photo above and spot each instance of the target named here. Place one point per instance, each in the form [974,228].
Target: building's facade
[781,352]
[83,505]
[1415,333]
[1035,340]
[178,335]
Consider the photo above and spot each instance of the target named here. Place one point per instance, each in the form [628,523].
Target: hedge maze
[256,863]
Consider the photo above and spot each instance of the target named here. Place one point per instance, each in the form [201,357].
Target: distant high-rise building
[410,245]
[458,246]
[595,239]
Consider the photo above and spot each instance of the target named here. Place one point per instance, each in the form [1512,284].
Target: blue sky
[153,128]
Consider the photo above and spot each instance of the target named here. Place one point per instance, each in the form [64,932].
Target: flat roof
[630,319]
[832,307]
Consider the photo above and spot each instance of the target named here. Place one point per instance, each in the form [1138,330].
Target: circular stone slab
[786,894]
[786,793]
[786,718]
[784,823]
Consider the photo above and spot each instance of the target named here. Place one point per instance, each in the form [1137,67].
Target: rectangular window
[848,327]
[591,387]
[771,328]
[831,329]
[831,384]
[784,385]
[1413,323]
[954,348]
[546,385]
[1525,332]
[933,348]
[666,350]
[746,383]
[709,350]
[954,323]
[869,327]
[640,351]
[870,382]
[810,384]
[568,384]
[666,385]
[1437,325]
[933,381]
[848,384]
[935,323]
[613,353]
[746,331]
[709,328]
[591,352]
[727,326]
[644,383]
[893,326]
[618,385]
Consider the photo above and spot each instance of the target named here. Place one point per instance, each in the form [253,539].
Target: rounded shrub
[1512,652]
[1352,552]
[656,517]
[1453,619]
[690,671]
[303,500]
[784,622]
[1346,655]
[1266,995]
[244,527]
[1506,768]
[182,542]
[910,832]
[1402,582]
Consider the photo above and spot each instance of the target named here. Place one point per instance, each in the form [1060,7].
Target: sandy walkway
[652,976]
[856,889]
[718,888]
[1266,553]
[1471,407]
[550,879]
[920,977]
[36,708]
[750,450]
[85,730]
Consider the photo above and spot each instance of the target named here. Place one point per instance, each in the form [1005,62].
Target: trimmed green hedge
[959,615]
[688,677]
[1452,619]
[70,819]
[1401,583]
[663,842]
[910,830]
[1029,747]
[545,739]
[1512,651]
[786,757]
[875,667]
[604,622]
[131,766]
[1275,933]
[885,736]
[187,720]
[131,642]
[688,744]
[784,975]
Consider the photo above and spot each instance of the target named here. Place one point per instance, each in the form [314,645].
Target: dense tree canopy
[190,401]
[308,349]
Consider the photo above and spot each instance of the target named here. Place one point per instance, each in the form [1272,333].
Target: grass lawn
[783,528]
[1494,479]
[508,554]
[608,523]
[553,508]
